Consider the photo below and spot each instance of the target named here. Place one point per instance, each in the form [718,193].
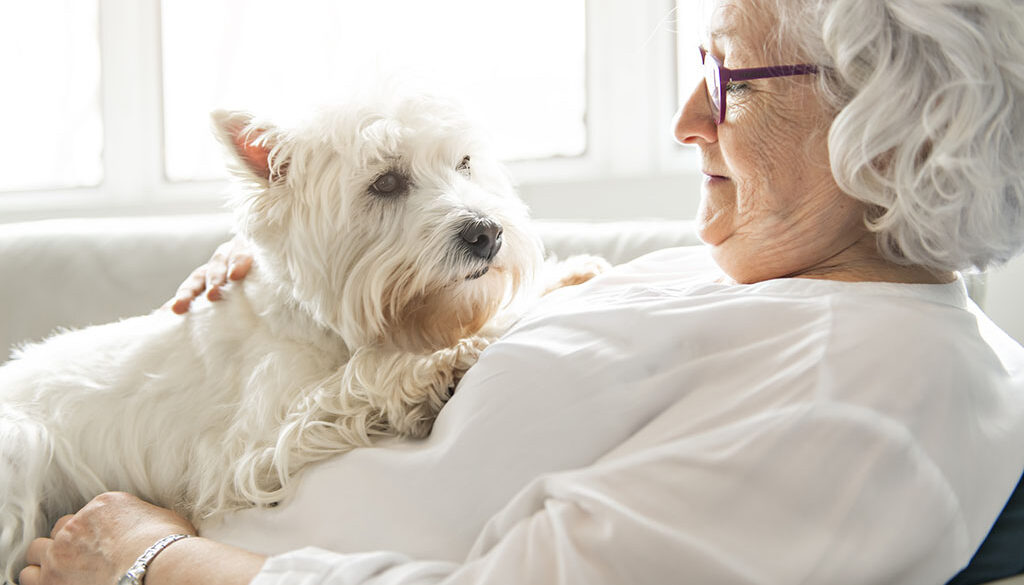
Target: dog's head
[386,218]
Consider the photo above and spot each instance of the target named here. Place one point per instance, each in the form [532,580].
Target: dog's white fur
[361,313]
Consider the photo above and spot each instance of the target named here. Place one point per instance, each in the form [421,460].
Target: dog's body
[390,251]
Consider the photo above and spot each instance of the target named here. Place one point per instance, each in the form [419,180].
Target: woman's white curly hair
[929,130]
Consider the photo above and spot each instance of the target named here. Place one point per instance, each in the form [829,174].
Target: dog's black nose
[482,237]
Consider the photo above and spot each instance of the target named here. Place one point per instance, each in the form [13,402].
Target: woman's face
[769,205]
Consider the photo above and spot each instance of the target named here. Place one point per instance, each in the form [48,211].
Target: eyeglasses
[718,78]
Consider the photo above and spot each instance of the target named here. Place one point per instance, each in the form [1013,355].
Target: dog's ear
[250,143]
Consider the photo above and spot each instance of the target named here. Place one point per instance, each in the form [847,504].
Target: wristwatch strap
[137,571]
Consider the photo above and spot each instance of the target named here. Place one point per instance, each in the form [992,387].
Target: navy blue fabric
[1001,554]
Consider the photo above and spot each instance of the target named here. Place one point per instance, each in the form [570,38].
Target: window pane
[49,107]
[519,65]
[689,71]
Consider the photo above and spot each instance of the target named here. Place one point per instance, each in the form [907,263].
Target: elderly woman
[810,398]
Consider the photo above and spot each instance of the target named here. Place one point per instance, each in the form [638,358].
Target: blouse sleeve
[810,494]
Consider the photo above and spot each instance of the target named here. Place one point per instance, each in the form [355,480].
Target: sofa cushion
[78,272]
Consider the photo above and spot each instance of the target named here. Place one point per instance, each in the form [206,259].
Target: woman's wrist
[137,572]
[200,560]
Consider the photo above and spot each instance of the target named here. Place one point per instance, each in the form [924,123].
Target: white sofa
[77,272]
[72,273]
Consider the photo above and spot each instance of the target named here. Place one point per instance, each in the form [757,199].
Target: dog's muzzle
[482,238]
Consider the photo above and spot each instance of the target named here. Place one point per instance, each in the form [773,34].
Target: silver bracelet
[136,573]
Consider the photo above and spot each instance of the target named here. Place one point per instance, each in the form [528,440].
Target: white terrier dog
[389,249]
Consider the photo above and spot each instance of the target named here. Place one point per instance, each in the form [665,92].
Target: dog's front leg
[380,392]
[408,389]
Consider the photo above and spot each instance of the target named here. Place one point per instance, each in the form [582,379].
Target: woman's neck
[862,262]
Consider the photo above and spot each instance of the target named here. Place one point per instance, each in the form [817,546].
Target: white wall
[1004,290]
[671,196]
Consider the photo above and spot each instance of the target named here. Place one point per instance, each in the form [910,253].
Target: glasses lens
[712,76]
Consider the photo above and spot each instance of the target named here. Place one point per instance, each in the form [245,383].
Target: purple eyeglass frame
[726,76]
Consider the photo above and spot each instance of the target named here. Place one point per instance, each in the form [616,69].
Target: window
[689,70]
[520,65]
[50,105]
[111,115]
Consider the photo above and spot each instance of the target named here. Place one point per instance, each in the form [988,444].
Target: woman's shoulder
[928,344]
[927,330]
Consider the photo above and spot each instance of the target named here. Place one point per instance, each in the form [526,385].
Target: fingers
[37,551]
[29,575]
[61,522]
[241,262]
[193,286]
[230,261]
[217,271]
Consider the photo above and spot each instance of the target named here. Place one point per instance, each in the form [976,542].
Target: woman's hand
[232,260]
[100,542]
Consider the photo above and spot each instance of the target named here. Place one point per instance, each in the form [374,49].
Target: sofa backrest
[76,272]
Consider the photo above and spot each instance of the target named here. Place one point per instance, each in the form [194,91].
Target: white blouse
[658,426]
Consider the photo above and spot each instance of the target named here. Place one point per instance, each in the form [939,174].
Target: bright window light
[520,66]
[687,27]
[49,107]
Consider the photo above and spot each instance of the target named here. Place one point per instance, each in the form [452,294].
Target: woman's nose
[694,122]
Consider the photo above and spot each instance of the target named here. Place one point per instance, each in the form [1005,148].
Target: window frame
[631,168]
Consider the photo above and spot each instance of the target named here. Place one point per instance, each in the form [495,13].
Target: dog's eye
[390,183]
[464,166]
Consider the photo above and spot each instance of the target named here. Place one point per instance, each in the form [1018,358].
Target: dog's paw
[463,356]
[467,351]
[575,270]
[407,390]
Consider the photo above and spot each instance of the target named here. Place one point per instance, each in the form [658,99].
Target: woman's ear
[250,144]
